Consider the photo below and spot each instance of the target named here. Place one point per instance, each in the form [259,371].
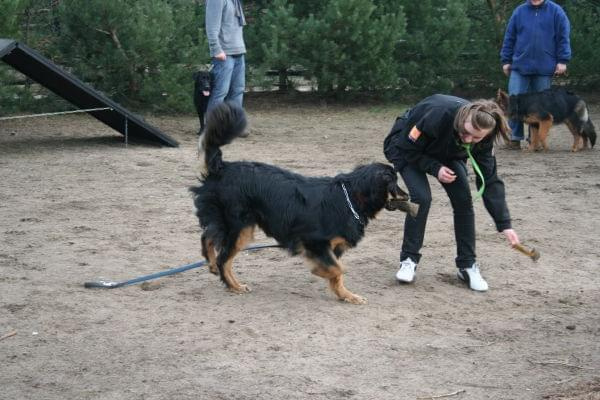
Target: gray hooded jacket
[224,27]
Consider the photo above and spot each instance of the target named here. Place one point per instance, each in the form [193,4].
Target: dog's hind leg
[225,258]
[209,253]
[327,266]
[577,138]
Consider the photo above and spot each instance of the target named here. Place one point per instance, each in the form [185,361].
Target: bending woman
[439,136]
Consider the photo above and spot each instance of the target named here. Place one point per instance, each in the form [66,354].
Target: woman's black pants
[459,194]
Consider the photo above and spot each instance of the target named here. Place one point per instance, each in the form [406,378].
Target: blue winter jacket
[536,39]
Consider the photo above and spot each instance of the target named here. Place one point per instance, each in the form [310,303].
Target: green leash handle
[467,147]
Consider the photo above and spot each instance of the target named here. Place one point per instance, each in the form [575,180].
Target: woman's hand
[511,236]
[446,175]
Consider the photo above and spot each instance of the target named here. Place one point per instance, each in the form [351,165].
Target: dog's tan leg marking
[534,139]
[339,242]
[337,285]
[545,126]
[212,257]
[334,273]
[576,137]
[246,236]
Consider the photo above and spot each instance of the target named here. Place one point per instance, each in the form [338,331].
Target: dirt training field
[77,205]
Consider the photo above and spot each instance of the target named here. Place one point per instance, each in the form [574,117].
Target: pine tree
[350,46]
[437,34]
[585,40]
[275,34]
[122,46]
[9,18]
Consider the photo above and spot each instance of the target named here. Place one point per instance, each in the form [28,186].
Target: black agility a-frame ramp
[46,73]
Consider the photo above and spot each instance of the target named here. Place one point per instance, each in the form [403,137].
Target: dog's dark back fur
[202,83]
[557,103]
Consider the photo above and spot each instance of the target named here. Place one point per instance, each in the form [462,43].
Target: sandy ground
[76,205]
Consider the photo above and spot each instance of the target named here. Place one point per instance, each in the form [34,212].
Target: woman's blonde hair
[483,114]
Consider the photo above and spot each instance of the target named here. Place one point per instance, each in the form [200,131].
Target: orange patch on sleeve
[414,134]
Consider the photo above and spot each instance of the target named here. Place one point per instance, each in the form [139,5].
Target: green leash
[467,147]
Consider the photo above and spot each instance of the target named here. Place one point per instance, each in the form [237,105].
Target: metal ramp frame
[46,73]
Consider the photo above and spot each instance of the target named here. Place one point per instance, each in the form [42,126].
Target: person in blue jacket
[536,47]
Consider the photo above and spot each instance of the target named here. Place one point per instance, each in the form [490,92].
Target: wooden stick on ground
[9,334]
[442,395]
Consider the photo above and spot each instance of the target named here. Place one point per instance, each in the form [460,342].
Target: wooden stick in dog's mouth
[403,205]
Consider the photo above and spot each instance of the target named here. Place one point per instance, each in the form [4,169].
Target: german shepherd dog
[317,217]
[202,88]
[543,109]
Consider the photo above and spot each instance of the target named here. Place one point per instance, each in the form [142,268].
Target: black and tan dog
[318,217]
[202,89]
[543,109]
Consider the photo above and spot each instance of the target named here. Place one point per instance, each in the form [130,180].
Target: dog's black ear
[390,180]
[398,193]
[195,75]
[389,175]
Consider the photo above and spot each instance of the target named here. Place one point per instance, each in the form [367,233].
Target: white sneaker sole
[401,280]
[468,284]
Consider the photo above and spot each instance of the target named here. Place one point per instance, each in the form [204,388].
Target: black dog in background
[202,88]
[318,217]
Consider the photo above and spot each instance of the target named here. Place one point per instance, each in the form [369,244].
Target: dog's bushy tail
[223,124]
[589,131]
[587,127]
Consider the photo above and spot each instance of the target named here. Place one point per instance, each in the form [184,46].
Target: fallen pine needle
[479,345]
[9,334]
[442,395]
[552,362]
[483,386]
[560,383]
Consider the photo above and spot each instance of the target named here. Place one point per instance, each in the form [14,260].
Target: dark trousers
[459,194]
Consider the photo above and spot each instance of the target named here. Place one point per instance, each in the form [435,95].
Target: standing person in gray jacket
[224,29]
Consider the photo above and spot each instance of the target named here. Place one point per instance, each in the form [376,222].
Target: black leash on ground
[113,285]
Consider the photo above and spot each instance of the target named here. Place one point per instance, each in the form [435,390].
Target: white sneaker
[406,273]
[472,276]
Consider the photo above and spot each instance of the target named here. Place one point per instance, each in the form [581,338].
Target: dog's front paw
[355,299]
[241,289]
[213,269]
